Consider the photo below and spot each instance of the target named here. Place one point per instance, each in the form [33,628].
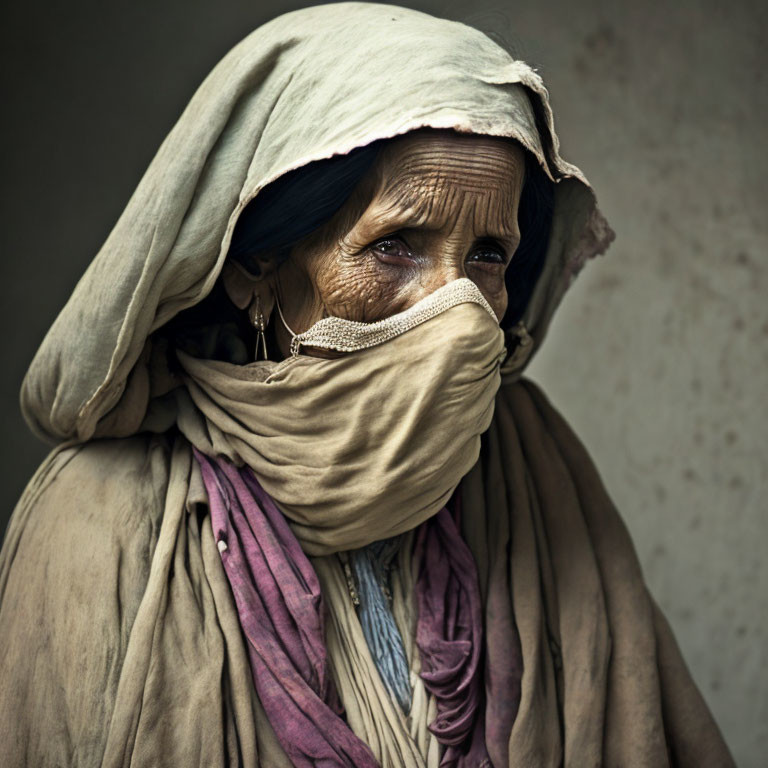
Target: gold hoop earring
[260,324]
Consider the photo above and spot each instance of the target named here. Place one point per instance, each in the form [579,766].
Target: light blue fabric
[371,565]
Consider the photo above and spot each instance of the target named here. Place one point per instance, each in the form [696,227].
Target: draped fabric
[121,642]
[115,602]
[450,637]
[372,594]
[361,447]
[308,85]
[281,611]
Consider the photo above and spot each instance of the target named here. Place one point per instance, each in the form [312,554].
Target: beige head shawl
[290,93]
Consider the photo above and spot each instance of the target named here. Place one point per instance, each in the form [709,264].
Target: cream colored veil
[303,87]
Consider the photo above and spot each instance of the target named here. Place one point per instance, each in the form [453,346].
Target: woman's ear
[242,286]
[238,284]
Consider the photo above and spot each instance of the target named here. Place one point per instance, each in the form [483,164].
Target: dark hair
[302,200]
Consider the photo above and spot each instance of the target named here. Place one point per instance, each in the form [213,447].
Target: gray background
[658,355]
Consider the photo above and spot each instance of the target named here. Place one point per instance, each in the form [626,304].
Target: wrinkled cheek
[493,289]
[364,291]
[499,301]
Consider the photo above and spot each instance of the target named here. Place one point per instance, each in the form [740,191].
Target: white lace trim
[349,335]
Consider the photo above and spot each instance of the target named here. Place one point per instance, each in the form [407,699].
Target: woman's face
[435,207]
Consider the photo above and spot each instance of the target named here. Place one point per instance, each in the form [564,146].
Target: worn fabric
[371,436]
[370,582]
[140,659]
[360,448]
[341,444]
[280,99]
[120,639]
[280,608]
[449,635]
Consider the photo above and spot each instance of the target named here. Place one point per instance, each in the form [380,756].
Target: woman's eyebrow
[416,213]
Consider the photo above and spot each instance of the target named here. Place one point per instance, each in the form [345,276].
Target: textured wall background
[658,356]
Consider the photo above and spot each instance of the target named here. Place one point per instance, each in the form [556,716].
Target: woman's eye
[391,249]
[488,254]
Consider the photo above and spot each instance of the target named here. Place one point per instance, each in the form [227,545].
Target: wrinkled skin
[436,206]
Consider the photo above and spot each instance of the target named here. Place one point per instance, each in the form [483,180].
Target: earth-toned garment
[122,642]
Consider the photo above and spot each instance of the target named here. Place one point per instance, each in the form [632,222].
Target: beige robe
[121,642]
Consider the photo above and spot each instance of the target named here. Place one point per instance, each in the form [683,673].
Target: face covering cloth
[365,446]
[122,642]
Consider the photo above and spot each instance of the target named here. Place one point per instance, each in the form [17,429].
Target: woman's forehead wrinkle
[431,198]
[476,170]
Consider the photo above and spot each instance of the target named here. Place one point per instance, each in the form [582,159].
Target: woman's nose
[436,275]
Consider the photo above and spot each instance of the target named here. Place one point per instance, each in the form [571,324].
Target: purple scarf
[281,612]
[449,634]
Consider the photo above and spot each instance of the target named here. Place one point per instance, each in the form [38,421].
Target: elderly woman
[303,509]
